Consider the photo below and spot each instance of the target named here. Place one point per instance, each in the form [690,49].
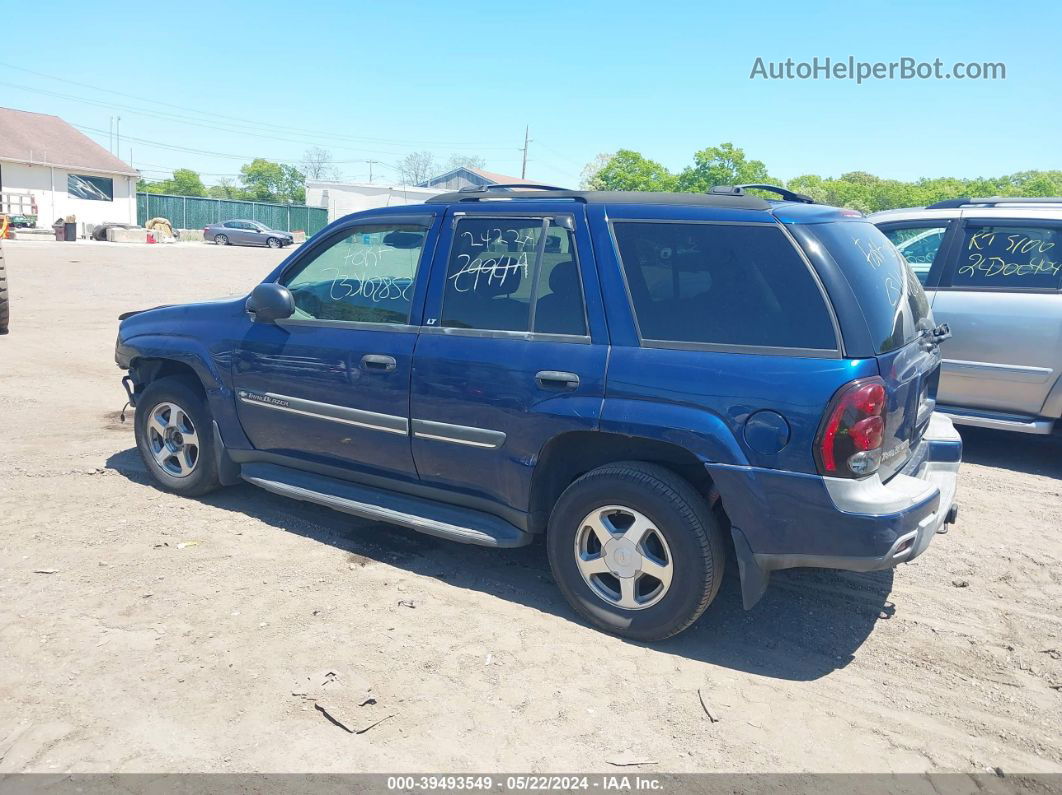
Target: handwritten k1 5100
[849,68]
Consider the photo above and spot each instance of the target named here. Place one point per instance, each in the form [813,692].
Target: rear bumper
[792,520]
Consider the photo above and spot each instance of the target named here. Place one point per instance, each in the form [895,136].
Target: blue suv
[650,381]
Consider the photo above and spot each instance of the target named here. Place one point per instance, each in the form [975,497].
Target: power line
[245,122]
[173,118]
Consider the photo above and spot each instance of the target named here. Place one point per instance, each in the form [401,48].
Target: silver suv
[992,269]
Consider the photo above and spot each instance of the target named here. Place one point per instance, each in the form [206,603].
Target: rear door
[509,356]
[1000,294]
[331,384]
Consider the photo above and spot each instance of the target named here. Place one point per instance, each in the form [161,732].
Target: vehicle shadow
[1019,452]
[809,623]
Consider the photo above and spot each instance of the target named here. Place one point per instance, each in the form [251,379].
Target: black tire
[274,242]
[203,475]
[5,311]
[221,240]
[678,513]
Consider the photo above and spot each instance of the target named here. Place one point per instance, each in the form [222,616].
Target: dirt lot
[144,632]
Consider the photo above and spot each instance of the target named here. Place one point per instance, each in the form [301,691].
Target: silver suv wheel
[623,557]
[172,439]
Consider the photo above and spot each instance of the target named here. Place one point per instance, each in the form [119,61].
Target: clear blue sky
[378,80]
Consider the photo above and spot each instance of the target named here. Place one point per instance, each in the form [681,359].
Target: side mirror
[270,302]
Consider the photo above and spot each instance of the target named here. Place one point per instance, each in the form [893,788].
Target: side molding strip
[458,434]
[388,423]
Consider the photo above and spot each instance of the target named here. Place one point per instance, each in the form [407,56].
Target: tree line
[727,164]
[260,180]
[268,181]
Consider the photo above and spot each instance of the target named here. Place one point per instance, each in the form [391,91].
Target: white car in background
[992,269]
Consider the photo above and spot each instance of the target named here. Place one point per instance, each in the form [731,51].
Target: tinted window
[1010,256]
[919,246]
[366,276]
[888,292]
[491,277]
[81,186]
[724,284]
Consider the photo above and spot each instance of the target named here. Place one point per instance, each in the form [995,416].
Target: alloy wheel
[173,440]
[623,557]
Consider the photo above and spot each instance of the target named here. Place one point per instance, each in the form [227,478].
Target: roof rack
[733,201]
[507,186]
[740,190]
[992,201]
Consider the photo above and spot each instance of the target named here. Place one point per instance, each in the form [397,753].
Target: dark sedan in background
[246,233]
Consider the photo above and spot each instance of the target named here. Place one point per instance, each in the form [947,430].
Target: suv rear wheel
[635,550]
[175,437]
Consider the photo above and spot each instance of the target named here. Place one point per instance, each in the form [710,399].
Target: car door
[512,352]
[330,385]
[237,232]
[252,235]
[999,293]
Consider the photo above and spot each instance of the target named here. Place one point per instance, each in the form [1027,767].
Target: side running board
[438,519]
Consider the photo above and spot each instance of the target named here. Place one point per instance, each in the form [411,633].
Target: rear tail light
[849,444]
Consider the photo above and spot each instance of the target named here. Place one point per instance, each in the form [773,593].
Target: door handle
[378,363]
[556,379]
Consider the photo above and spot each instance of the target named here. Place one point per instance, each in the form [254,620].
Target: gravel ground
[142,632]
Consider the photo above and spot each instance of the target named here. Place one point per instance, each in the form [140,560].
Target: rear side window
[890,295]
[513,274]
[722,284]
[919,246]
[1025,257]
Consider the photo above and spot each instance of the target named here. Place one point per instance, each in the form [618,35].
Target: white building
[65,171]
[343,198]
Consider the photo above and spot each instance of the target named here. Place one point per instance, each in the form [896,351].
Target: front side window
[500,269]
[366,276]
[82,186]
[919,246]
[1018,257]
[723,284]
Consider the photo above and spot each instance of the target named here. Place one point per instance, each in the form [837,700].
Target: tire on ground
[5,312]
[177,390]
[680,515]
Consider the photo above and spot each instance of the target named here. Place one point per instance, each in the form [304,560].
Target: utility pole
[523,167]
[370,162]
[110,137]
[118,137]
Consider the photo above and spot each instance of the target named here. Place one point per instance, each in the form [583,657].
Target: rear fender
[703,433]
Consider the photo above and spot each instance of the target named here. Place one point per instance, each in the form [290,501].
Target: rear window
[722,284]
[891,297]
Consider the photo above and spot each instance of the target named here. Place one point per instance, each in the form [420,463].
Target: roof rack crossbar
[783,193]
[992,201]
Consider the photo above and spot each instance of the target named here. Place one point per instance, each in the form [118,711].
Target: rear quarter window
[888,292]
[722,284]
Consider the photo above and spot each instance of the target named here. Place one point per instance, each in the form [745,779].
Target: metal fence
[192,212]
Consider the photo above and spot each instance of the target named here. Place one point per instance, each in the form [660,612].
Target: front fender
[209,367]
[185,350]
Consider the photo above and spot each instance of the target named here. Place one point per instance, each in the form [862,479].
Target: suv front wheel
[175,437]
[635,550]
